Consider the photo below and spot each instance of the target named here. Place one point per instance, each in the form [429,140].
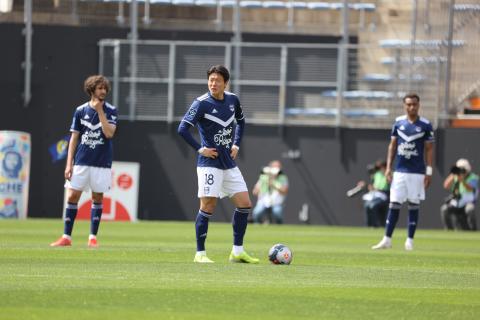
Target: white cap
[464,164]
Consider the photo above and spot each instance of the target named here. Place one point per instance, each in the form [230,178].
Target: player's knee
[208,205]
[395,205]
[73,196]
[97,197]
[413,206]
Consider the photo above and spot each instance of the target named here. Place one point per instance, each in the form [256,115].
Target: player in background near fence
[218,175]
[412,146]
[90,154]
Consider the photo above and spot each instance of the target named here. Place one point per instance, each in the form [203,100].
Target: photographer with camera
[458,211]
[271,190]
[376,199]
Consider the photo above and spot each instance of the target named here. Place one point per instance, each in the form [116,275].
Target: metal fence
[443,21]
[277,83]
[428,46]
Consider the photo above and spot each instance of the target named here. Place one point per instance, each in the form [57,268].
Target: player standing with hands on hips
[89,159]
[218,175]
[412,146]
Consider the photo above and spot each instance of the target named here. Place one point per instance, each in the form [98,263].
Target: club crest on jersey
[232,107]
[418,129]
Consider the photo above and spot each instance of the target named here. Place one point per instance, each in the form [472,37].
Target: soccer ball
[280,254]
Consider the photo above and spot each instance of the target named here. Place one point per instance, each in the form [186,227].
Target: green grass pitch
[145,271]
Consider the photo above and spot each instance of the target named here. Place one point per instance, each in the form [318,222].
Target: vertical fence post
[342,63]
[171,82]
[27,64]
[237,39]
[133,58]
[282,92]
[448,69]
[116,73]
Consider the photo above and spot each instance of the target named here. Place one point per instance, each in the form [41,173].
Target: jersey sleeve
[194,113]
[238,111]
[76,125]
[240,118]
[113,117]
[394,132]
[429,136]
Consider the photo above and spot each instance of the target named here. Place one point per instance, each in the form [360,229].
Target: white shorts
[213,182]
[84,178]
[407,186]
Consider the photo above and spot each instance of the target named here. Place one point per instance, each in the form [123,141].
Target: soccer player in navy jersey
[412,146]
[89,160]
[218,176]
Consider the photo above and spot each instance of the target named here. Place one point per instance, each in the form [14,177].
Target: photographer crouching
[458,211]
[271,190]
[377,198]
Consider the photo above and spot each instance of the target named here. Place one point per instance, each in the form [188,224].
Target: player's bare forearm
[429,161]
[392,148]
[72,147]
[429,153]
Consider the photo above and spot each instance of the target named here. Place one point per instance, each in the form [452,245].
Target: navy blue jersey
[215,121]
[411,138]
[93,149]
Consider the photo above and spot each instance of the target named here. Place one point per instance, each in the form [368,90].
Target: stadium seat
[274,5]
[467,7]
[183,2]
[332,112]
[319,6]
[227,3]
[297,5]
[257,4]
[382,77]
[206,3]
[251,4]
[359,94]
[430,59]
[402,44]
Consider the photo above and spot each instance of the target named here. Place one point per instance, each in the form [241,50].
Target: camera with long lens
[457,170]
[272,171]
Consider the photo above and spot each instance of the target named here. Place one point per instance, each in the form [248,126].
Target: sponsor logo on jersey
[407,150]
[224,137]
[402,127]
[92,139]
[214,110]
[86,117]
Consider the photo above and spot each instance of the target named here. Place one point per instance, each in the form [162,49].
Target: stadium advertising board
[121,202]
[15,148]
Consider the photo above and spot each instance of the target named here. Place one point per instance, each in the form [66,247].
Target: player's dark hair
[220,70]
[93,81]
[411,96]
